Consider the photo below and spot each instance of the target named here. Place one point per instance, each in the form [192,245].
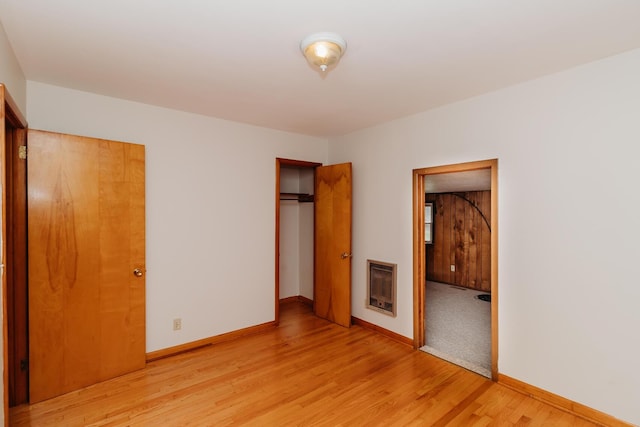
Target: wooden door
[332,299]
[86,238]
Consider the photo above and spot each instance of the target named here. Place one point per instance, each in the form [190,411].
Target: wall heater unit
[381,290]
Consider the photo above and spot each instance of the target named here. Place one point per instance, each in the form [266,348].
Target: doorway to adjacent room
[455,264]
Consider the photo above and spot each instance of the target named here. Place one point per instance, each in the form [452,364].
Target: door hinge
[24,366]
[22,152]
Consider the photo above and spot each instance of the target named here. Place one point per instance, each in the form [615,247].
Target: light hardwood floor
[305,372]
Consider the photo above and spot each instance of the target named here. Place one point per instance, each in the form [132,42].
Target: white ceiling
[240,59]
[476,180]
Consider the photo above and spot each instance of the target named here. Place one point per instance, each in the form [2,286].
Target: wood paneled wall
[461,237]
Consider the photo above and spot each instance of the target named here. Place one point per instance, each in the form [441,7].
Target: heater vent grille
[381,289]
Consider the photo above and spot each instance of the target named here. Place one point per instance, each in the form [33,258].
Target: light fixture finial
[323,50]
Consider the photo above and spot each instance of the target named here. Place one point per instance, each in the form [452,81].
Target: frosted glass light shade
[323,50]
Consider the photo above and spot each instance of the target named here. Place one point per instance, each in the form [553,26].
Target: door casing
[12,132]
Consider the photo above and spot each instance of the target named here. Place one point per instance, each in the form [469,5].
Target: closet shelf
[300,197]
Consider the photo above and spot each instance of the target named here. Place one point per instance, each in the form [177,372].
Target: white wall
[568,150]
[12,77]
[289,248]
[11,74]
[210,206]
[305,243]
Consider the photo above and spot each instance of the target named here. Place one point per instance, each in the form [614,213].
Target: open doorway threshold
[458,326]
[463,363]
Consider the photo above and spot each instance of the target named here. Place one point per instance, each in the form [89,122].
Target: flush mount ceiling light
[323,50]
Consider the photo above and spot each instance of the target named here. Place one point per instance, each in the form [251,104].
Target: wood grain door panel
[122,250]
[333,239]
[86,235]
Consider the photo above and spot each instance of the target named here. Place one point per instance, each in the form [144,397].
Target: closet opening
[295,223]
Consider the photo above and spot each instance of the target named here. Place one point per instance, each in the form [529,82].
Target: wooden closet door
[86,214]
[332,252]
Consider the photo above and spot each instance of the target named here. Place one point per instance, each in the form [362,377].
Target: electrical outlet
[453,267]
[177,324]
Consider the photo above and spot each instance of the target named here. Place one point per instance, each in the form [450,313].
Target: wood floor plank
[305,372]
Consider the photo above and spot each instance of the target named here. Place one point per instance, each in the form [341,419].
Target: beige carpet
[458,327]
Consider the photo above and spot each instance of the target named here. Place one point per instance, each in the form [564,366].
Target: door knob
[345,255]
[138,272]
